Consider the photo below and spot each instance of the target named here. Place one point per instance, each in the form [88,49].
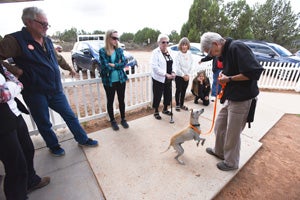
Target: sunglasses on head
[165,42]
[115,38]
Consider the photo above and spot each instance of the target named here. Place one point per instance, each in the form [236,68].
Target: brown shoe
[44,181]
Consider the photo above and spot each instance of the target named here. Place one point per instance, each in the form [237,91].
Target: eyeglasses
[43,24]
[115,38]
[165,42]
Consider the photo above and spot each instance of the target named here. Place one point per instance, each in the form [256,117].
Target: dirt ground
[274,171]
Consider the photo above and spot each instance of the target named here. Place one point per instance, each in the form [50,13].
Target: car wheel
[76,68]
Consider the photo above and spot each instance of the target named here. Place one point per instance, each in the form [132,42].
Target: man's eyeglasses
[165,42]
[115,38]
[43,24]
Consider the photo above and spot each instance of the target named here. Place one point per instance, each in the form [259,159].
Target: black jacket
[238,58]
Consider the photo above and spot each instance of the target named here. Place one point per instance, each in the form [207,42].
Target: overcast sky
[122,15]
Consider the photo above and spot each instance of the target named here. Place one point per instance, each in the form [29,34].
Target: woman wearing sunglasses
[162,75]
[113,76]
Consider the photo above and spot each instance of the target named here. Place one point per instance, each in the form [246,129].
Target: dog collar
[196,129]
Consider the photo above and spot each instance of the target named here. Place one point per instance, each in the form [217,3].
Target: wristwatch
[230,79]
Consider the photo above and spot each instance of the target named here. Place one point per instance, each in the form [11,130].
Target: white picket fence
[88,100]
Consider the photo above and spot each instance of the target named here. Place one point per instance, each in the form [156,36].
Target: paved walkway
[128,164]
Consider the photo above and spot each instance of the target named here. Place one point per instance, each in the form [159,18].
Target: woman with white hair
[162,75]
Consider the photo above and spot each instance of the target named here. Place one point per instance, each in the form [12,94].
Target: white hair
[162,36]
[31,13]
[208,38]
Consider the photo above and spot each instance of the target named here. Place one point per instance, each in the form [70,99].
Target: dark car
[85,55]
[271,52]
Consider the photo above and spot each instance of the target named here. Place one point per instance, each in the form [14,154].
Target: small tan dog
[193,131]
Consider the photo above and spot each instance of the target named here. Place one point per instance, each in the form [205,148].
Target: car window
[82,46]
[174,48]
[281,50]
[264,50]
[97,46]
[195,50]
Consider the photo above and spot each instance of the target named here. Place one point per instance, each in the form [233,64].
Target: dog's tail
[166,149]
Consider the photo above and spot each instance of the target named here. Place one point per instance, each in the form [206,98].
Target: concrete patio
[128,164]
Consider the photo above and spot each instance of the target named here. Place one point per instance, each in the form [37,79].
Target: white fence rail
[88,100]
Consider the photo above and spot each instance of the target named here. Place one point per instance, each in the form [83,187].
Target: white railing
[87,96]
[280,76]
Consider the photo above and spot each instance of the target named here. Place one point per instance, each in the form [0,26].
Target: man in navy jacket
[34,54]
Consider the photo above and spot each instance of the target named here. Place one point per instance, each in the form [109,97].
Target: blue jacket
[41,72]
[105,69]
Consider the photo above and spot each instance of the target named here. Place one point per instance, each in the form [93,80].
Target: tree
[205,15]
[127,37]
[145,35]
[98,32]
[174,37]
[69,35]
[275,22]
[239,15]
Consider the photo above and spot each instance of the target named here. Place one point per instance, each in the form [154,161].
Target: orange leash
[219,96]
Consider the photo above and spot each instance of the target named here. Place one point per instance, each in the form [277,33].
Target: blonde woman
[183,66]
[201,88]
[113,76]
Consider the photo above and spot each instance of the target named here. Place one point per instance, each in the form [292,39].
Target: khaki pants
[230,123]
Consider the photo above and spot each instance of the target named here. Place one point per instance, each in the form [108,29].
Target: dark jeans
[16,153]
[181,86]
[110,95]
[216,87]
[39,108]
[202,97]
[160,89]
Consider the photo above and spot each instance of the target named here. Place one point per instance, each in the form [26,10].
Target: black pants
[160,89]
[181,86]
[16,153]
[110,95]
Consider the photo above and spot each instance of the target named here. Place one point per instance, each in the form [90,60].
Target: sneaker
[89,143]
[211,152]
[224,167]
[114,125]
[213,98]
[195,101]
[177,108]
[124,123]
[57,151]
[44,181]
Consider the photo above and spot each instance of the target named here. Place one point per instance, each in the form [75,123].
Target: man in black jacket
[240,74]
